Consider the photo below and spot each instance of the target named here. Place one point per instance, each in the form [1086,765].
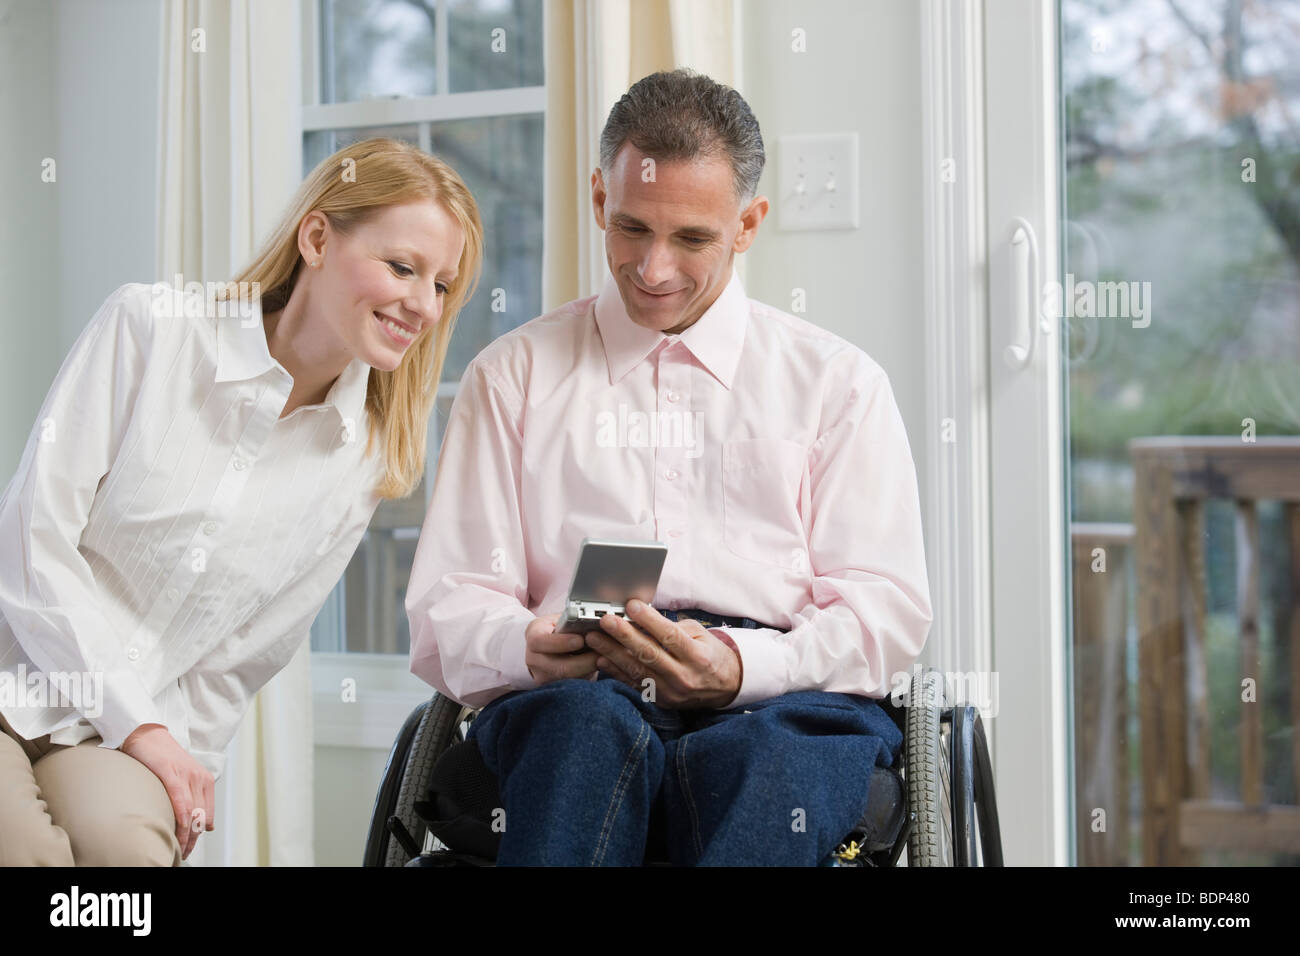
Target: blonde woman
[198,478]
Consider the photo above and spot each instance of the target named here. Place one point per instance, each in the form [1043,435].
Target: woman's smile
[399,333]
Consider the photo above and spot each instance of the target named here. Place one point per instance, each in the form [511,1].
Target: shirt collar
[716,338]
[242,354]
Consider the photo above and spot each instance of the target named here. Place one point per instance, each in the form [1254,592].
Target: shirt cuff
[762,659]
[126,705]
[513,647]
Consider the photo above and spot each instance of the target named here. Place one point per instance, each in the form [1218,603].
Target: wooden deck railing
[1174,477]
[1101,555]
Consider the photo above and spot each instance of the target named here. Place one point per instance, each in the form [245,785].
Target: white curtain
[595,50]
[230,158]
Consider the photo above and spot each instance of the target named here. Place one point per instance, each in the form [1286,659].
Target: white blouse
[167,536]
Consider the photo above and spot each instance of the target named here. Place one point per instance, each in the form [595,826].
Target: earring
[316,263]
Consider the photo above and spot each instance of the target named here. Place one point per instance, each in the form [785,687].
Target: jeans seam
[616,801]
[686,795]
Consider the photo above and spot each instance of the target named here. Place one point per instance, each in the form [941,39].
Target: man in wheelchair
[777,472]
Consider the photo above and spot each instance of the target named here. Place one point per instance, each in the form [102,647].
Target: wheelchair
[437,802]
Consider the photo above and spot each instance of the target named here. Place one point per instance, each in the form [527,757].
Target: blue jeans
[584,766]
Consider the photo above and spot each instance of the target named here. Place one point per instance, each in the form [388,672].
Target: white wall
[347,780]
[29,223]
[79,85]
[859,74]
[108,144]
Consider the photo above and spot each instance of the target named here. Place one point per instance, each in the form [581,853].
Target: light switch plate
[818,181]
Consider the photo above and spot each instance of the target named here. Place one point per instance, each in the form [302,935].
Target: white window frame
[995,489]
[386,690]
[1028,453]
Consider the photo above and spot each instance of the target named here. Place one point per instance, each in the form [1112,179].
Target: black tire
[977,839]
[986,803]
[439,728]
[965,827]
[378,837]
[929,838]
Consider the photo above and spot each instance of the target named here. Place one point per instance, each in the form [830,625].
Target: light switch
[817,175]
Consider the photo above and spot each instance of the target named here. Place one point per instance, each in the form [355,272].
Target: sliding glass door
[1144,237]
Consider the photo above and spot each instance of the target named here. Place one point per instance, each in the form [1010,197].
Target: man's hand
[550,654]
[691,668]
[188,783]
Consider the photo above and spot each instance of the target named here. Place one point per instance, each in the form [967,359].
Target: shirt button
[210,528]
[133,654]
[172,594]
[240,464]
[671,474]
[673,396]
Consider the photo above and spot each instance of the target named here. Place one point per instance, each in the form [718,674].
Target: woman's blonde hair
[351,187]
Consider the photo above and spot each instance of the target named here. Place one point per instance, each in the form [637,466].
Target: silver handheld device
[608,573]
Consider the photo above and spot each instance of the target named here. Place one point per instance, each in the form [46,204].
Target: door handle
[1024,294]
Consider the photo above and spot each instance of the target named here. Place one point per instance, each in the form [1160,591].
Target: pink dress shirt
[767,453]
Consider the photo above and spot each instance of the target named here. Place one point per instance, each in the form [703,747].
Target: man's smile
[656,296]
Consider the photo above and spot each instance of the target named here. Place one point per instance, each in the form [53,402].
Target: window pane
[500,160]
[322,144]
[375,48]
[494,44]
[375,581]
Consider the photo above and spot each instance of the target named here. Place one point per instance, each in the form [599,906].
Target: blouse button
[133,654]
[210,528]
[671,474]
[172,594]
[673,396]
[240,464]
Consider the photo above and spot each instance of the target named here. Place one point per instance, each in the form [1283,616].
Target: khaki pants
[80,806]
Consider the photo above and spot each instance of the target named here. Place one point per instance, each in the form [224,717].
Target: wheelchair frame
[951,810]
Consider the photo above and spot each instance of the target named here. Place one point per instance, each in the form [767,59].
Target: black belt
[710,619]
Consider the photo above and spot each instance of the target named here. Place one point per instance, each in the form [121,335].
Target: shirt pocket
[761,482]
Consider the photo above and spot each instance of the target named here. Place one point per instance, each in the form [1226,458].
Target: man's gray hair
[683,115]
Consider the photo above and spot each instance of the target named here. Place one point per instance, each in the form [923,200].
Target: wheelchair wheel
[378,836]
[443,723]
[929,790]
[977,838]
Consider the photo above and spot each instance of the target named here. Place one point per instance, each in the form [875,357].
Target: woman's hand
[189,785]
